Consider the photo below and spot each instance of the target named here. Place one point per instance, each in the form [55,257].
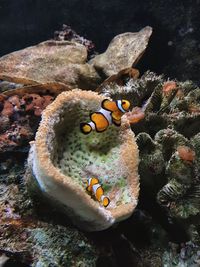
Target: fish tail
[85,128]
[105,201]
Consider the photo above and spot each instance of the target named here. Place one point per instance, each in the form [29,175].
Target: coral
[61,246]
[62,159]
[152,163]
[20,113]
[168,87]
[181,194]
[181,179]
[165,116]
[167,133]
[121,78]
[185,153]
[35,234]
[185,255]
[134,90]
[135,115]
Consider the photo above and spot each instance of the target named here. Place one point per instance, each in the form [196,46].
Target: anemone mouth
[69,157]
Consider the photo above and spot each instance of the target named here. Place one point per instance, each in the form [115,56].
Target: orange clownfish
[110,112]
[95,188]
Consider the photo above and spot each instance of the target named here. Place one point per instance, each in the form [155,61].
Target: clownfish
[96,189]
[110,112]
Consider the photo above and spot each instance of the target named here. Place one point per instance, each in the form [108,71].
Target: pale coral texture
[62,158]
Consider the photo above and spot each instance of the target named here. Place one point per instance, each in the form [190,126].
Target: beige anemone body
[62,158]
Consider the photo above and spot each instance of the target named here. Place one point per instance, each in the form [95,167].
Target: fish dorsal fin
[109,105]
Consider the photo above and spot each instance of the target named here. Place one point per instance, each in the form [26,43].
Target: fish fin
[116,122]
[100,121]
[99,192]
[94,181]
[109,105]
[88,188]
[116,115]
[105,201]
[85,128]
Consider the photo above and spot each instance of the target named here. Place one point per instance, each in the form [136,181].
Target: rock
[50,61]
[124,51]
[83,76]
[62,158]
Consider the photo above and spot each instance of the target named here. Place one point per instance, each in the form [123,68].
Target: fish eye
[125,104]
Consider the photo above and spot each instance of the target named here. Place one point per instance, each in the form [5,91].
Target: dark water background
[174,48]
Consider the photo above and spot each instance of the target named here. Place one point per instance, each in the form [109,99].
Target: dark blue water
[176,26]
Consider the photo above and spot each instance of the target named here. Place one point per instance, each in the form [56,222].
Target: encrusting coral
[62,158]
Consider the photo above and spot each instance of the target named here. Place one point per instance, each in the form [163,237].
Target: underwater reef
[48,217]
[62,158]
[167,136]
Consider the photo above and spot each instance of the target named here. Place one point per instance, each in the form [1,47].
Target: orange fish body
[96,189]
[110,112]
[90,183]
[100,120]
